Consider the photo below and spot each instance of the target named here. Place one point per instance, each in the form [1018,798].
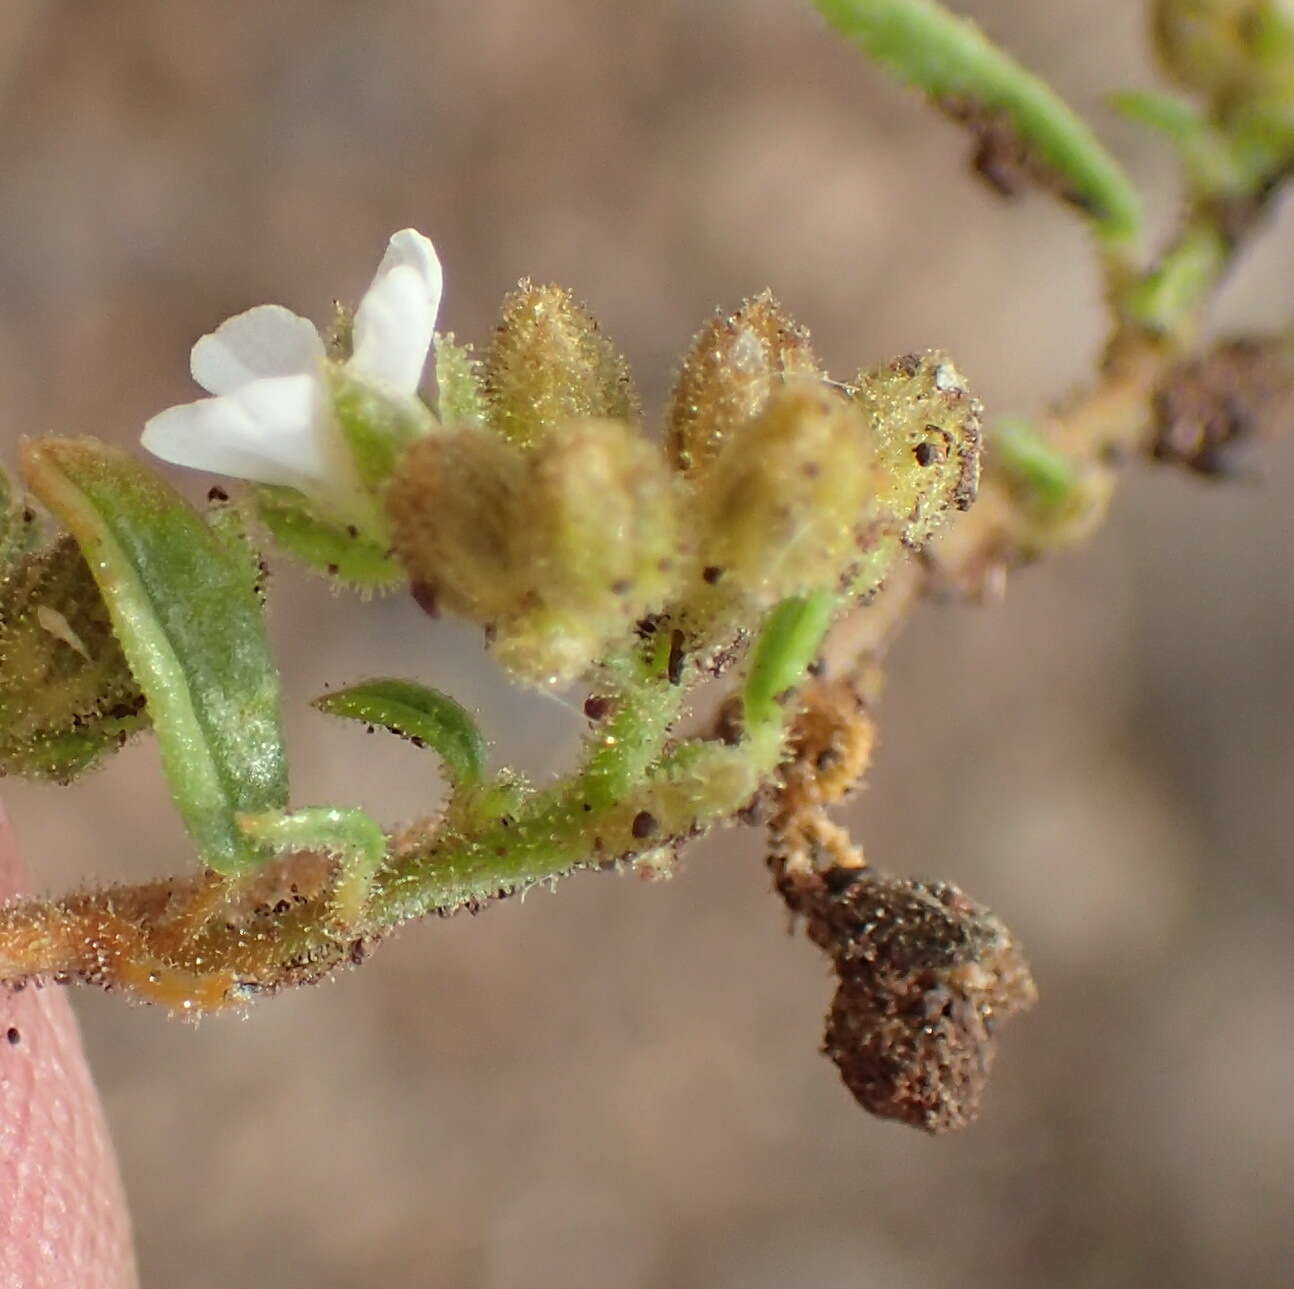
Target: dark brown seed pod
[927,976]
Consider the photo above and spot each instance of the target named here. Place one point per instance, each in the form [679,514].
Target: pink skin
[63,1219]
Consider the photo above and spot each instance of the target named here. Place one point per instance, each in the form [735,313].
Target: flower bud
[548,363]
[782,505]
[735,363]
[926,429]
[555,551]
[66,693]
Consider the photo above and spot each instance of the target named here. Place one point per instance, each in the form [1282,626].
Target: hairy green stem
[628,797]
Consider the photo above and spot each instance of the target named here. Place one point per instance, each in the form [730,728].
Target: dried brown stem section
[193,945]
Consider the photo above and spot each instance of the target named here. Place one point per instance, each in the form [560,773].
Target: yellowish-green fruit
[549,363]
[925,427]
[598,523]
[784,505]
[460,400]
[555,551]
[453,505]
[735,363]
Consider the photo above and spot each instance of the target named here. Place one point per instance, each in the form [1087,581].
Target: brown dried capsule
[735,363]
[926,977]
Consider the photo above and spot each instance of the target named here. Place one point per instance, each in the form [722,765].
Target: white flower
[270,419]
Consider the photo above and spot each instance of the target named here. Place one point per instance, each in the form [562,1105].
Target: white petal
[411,249]
[268,340]
[393,330]
[396,318]
[270,431]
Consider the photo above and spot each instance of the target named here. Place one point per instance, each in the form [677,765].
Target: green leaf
[792,635]
[341,552]
[184,609]
[417,713]
[951,60]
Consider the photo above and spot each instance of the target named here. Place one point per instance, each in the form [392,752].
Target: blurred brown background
[619,1086]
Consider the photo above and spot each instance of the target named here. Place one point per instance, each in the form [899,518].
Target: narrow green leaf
[417,713]
[183,607]
[951,60]
[791,638]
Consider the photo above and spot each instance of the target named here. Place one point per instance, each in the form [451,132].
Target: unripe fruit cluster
[549,517]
